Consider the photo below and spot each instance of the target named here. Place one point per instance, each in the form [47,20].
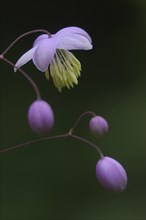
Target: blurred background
[55,180]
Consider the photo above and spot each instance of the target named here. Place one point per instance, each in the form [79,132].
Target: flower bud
[111,174]
[98,126]
[40,117]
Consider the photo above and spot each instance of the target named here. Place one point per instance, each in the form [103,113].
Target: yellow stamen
[47,75]
[64,69]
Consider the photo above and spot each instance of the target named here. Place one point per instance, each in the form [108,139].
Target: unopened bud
[40,117]
[98,126]
[111,174]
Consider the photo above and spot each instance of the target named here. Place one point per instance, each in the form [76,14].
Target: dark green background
[55,180]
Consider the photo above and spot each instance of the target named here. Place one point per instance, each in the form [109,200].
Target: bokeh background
[55,180]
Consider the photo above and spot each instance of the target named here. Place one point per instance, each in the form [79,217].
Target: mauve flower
[98,126]
[111,174]
[50,54]
[40,117]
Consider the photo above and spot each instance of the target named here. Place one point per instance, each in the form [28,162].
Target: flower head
[98,126]
[40,117]
[111,174]
[50,54]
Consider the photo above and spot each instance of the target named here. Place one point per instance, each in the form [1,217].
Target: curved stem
[52,138]
[79,118]
[23,35]
[87,142]
[25,75]
[33,142]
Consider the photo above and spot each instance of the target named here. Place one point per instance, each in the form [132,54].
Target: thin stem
[33,142]
[23,35]
[80,117]
[87,142]
[52,138]
[25,75]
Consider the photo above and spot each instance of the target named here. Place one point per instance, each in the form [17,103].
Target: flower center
[64,69]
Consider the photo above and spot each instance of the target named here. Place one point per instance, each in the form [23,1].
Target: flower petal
[38,40]
[73,42]
[44,53]
[25,58]
[73,30]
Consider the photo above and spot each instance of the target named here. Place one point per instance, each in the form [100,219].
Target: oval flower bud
[98,126]
[111,174]
[40,117]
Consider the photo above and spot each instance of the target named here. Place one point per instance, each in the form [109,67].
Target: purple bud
[98,126]
[111,174]
[40,117]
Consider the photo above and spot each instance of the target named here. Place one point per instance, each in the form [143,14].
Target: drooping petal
[38,39]
[73,42]
[73,30]
[44,53]
[25,58]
